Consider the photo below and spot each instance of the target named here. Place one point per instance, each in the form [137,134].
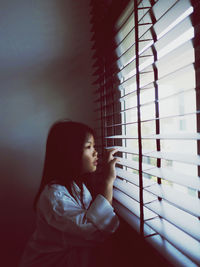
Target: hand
[109,166]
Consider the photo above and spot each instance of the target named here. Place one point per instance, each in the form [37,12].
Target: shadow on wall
[44,76]
[17,216]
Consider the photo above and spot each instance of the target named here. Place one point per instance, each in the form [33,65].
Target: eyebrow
[89,142]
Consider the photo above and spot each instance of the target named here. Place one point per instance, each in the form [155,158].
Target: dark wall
[45,67]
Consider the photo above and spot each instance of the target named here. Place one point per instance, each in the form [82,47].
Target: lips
[95,162]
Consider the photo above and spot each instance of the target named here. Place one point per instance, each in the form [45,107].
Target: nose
[95,153]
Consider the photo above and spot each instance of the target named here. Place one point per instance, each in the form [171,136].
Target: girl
[69,222]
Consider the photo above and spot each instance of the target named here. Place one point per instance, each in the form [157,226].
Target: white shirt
[66,231]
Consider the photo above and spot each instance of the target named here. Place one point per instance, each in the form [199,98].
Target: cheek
[87,160]
[87,164]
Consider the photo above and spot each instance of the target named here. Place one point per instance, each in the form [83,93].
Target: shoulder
[55,191]
[54,197]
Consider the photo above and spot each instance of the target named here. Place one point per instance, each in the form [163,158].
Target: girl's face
[89,157]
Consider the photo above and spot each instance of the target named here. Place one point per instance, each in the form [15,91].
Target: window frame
[107,82]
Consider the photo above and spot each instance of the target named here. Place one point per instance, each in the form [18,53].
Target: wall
[44,76]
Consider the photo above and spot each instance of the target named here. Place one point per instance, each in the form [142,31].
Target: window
[149,102]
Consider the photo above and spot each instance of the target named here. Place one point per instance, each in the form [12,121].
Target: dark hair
[64,150]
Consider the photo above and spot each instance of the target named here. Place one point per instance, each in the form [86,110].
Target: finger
[115,160]
[112,151]
[109,154]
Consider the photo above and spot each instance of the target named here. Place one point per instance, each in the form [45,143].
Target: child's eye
[90,146]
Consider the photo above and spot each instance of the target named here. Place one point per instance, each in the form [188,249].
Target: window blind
[148,106]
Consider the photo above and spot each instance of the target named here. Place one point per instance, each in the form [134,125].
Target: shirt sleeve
[63,212]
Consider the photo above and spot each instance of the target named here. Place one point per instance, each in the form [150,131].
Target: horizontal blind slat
[166,64]
[179,199]
[186,158]
[167,245]
[175,116]
[169,174]
[182,220]
[172,79]
[161,7]
[166,54]
[132,205]
[177,258]
[174,15]
[123,19]
[180,29]
[132,191]
[188,246]
[174,136]
[133,178]
[175,59]
[166,173]
[130,218]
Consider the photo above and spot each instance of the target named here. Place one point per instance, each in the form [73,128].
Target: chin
[93,169]
[90,170]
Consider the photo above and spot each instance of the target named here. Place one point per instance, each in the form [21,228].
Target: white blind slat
[133,178]
[169,174]
[186,158]
[133,191]
[167,249]
[174,16]
[180,199]
[174,136]
[183,242]
[130,218]
[183,220]
[132,205]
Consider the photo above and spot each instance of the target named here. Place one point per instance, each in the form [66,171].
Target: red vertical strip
[139,118]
